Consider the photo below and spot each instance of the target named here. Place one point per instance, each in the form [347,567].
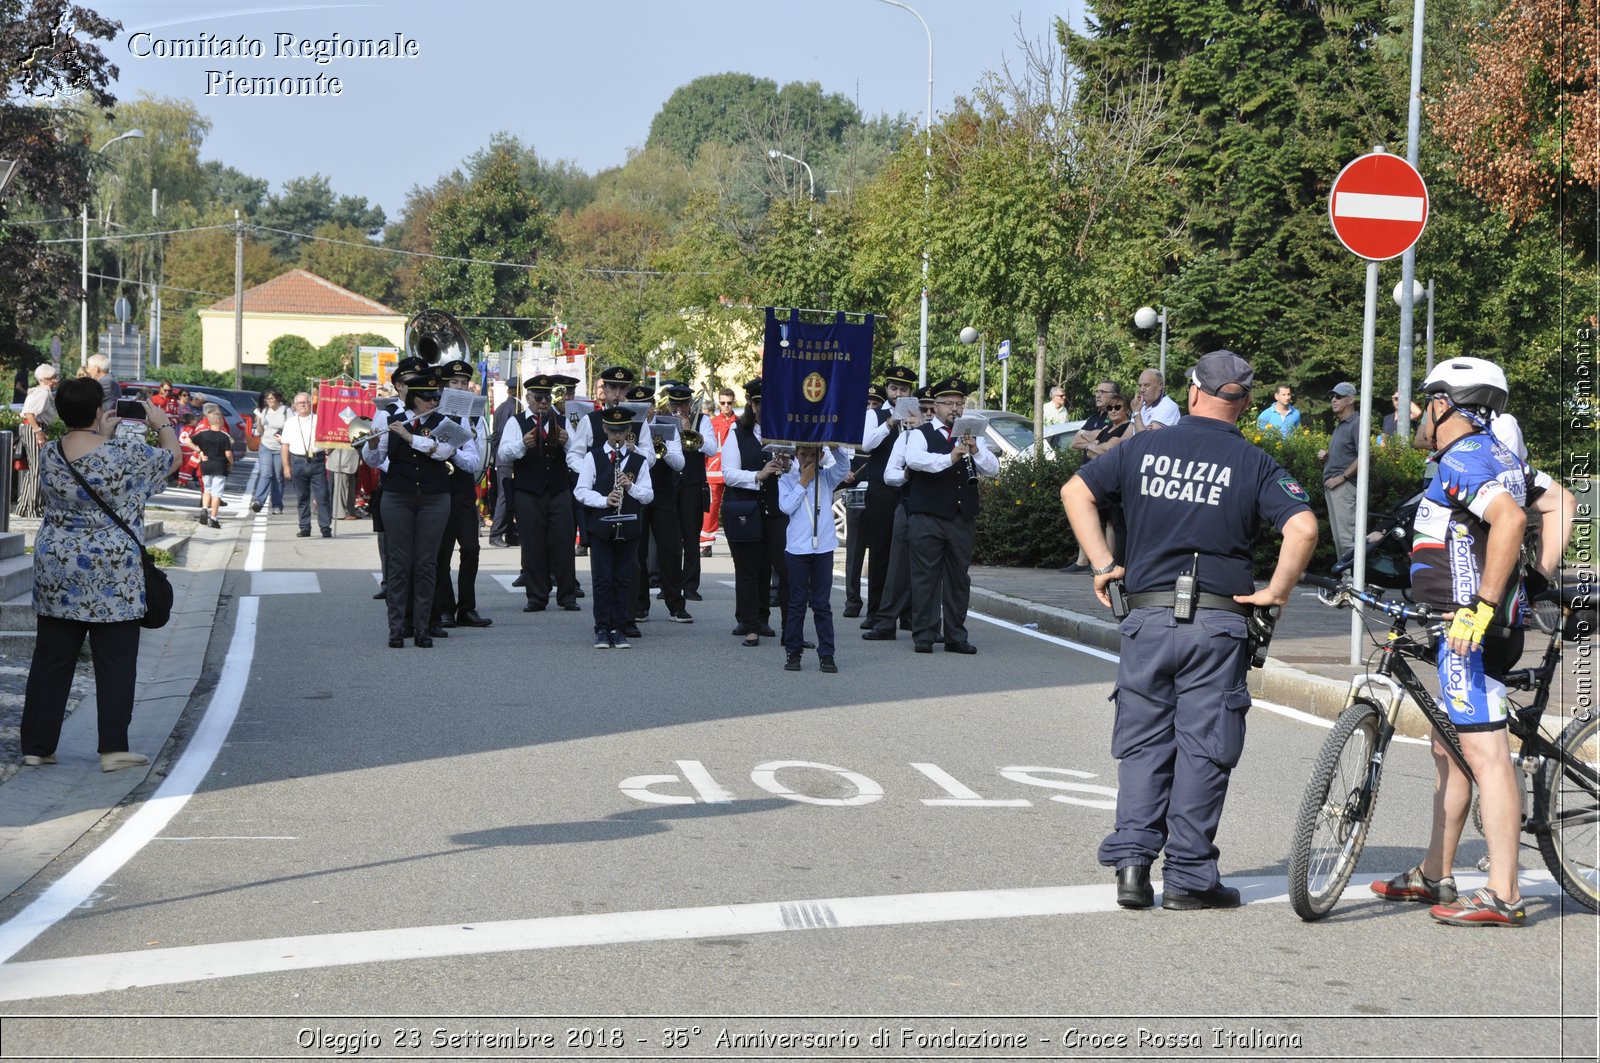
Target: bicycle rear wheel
[1328,831]
[1567,801]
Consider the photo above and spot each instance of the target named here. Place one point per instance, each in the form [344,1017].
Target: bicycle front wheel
[1335,812]
[1567,802]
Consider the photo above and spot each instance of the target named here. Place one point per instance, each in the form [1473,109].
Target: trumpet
[692,440]
[661,448]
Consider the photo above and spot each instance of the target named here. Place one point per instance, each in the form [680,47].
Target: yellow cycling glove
[1469,625]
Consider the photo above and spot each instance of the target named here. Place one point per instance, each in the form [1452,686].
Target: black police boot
[1133,886]
[1218,896]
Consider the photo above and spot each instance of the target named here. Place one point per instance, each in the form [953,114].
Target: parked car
[238,426]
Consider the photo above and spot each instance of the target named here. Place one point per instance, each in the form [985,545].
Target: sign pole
[1369,342]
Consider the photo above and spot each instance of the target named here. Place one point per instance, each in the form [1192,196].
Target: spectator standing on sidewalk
[38,414]
[1282,415]
[1196,496]
[722,423]
[1152,408]
[1055,411]
[1339,463]
[270,418]
[88,576]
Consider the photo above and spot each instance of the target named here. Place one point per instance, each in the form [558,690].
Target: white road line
[228,838]
[78,885]
[256,556]
[108,972]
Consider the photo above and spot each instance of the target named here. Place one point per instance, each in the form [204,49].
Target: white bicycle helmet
[1471,383]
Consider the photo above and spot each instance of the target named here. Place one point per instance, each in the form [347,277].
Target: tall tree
[307,203]
[493,236]
[47,56]
[344,255]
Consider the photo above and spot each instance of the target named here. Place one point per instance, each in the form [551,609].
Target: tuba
[436,338]
[360,432]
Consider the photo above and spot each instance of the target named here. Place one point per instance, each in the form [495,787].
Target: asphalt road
[681,851]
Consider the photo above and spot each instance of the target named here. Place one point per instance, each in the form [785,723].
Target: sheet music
[906,407]
[451,433]
[639,409]
[578,409]
[480,405]
[666,431]
[970,426]
[453,402]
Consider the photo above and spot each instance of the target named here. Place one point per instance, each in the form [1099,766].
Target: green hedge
[1021,522]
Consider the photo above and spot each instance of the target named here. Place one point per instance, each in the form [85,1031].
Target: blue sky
[576,79]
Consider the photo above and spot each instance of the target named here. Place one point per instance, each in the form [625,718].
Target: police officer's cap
[456,370]
[899,374]
[951,386]
[619,374]
[752,390]
[879,392]
[640,393]
[677,391]
[1223,374]
[616,417]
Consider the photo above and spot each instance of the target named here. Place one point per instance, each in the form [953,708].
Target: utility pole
[238,302]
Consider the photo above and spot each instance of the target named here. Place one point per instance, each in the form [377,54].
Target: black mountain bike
[1562,812]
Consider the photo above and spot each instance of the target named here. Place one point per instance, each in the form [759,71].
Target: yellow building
[297,303]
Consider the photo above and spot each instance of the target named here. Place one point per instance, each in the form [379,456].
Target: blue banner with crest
[814,380]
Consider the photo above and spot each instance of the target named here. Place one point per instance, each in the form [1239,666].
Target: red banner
[338,404]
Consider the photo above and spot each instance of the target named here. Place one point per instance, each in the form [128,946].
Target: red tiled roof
[303,292]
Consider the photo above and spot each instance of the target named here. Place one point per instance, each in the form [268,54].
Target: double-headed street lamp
[927,187]
[811,180]
[83,303]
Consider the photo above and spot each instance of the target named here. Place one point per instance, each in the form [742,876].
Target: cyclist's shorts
[1470,688]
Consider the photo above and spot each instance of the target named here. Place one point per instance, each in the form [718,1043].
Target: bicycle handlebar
[1339,595]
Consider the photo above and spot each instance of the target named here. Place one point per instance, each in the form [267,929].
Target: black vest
[872,470]
[543,469]
[603,480]
[750,458]
[944,494]
[462,482]
[411,470]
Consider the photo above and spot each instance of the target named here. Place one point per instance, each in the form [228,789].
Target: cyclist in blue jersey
[1464,562]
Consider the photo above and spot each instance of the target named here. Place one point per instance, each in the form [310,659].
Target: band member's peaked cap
[640,393]
[951,386]
[456,370]
[879,392]
[619,374]
[617,417]
[677,390]
[752,390]
[899,374]
[408,365]
[543,382]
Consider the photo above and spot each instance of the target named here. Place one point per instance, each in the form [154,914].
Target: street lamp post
[1147,318]
[811,180]
[927,187]
[83,302]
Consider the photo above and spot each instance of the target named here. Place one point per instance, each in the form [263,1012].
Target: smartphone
[130,409]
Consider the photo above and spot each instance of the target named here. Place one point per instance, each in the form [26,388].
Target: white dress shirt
[640,491]
[580,439]
[734,474]
[810,508]
[920,459]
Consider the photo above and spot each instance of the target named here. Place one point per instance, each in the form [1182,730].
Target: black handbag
[741,519]
[157,588]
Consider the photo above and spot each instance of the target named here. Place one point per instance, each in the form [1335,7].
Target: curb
[1278,682]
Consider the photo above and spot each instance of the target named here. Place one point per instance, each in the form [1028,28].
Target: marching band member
[941,520]
[693,487]
[416,505]
[753,522]
[661,527]
[855,547]
[589,433]
[613,486]
[877,522]
[533,446]
[894,607]
[451,608]
[403,371]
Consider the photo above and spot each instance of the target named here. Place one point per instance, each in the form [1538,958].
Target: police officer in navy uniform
[1195,496]
[942,519]
[453,607]
[613,486]
[533,447]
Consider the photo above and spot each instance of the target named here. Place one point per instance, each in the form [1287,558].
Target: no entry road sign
[1378,206]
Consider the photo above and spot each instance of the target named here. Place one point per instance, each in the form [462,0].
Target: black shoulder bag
[157,588]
